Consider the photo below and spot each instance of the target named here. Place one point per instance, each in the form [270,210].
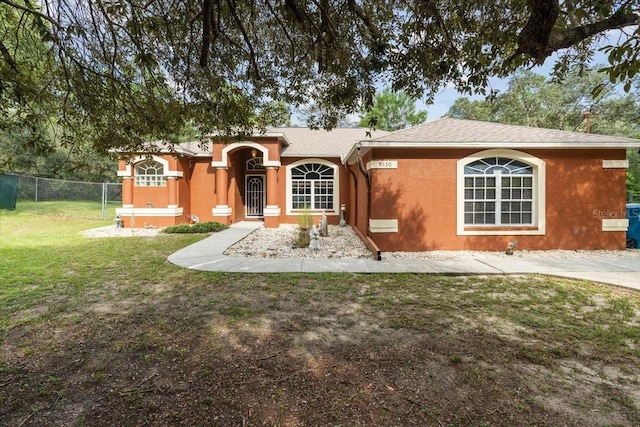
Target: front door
[254,196]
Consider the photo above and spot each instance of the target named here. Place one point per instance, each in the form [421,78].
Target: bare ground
[228,350]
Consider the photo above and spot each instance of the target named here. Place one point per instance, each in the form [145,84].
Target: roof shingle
[305,142]
[452,131]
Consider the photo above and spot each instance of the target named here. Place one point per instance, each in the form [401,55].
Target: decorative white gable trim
[383,225]
[615,164]
[128,171]
[244,144]
[155,212]
[615,224]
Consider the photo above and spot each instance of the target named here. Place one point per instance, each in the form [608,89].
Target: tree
[392,111]
[464,108]
[538,101]
[534,100]
[134,70]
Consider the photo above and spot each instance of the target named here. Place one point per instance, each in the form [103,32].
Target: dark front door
[254,196]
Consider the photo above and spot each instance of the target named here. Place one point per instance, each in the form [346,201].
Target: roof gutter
[362,147]
[365,146]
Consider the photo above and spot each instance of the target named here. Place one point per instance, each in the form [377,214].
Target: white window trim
[146,178]
[336,186]
[128,171]
[251,164]
[539,205]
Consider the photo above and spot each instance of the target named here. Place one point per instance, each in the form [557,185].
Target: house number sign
[383,164]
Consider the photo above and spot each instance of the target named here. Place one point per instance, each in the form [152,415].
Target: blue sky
[448,96]
[445,99]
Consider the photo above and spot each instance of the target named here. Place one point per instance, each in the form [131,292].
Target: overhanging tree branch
[206,32]
[7,57]
[32,11]
[573,36]
[538,40]
[245,36]
[533,39]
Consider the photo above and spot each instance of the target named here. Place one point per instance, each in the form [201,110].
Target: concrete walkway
[208,255]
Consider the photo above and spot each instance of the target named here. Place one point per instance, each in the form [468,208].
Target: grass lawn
[69,210]
[105,332]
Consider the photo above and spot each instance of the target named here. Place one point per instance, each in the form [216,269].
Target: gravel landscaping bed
[524,254]
[343,243]
[112,231]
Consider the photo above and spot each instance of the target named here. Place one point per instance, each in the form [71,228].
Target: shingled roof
[457,133]
[442,133]
[305,142]
[450,131]
[299,142]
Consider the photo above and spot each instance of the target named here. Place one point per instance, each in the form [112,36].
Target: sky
[447,96]
[445,99]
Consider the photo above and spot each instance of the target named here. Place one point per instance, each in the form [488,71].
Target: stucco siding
[199,187]
[422,195]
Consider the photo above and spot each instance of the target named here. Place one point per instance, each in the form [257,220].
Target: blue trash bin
[633,232]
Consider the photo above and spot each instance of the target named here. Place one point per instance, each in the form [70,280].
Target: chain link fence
[71,199]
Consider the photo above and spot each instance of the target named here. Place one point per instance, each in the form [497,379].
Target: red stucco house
[447,184]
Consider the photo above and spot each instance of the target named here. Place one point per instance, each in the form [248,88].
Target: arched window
[498,191]
[312,187]
[150,173]
[255,163]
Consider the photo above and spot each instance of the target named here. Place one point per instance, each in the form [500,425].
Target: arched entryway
[246,180]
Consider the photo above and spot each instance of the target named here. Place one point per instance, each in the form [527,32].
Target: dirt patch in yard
[309,350]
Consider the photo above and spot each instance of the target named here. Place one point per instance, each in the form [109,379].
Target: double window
[150,173]
[501,192]
[312,187]
[498,191]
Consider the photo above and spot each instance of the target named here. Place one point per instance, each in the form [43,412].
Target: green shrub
[303,239]
[305,220]
[200,227]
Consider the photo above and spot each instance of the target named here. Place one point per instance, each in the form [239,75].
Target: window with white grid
[498,191]
[255,163]
[312,187]
[150,174]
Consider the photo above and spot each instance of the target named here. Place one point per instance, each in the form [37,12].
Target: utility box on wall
[633,232]
[8,192]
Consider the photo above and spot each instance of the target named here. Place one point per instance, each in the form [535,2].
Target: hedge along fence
[92,200]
